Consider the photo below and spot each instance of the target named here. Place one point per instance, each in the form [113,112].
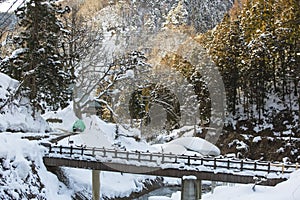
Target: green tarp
[78,126]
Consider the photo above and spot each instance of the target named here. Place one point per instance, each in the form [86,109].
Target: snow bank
[188,146]
[65,118]
[288,190]
[175,196]
[113,184]
[117,185]
[16,116]
[23,174]
[171,148]
[97,133]
[197,144]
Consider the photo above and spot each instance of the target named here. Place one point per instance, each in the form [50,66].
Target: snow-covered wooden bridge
[169,165]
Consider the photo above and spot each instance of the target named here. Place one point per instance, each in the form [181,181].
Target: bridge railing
[118,155]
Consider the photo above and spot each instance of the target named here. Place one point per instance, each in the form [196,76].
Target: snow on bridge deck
[170,165]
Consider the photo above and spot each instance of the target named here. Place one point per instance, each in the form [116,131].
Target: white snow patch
[257,139]
[189,178]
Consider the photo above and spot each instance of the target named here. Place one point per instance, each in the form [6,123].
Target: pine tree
[38,63]
[288,35]
[226,48]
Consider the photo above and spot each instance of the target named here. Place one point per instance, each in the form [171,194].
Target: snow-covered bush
[16,114]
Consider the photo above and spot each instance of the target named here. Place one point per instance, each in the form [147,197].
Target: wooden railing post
[60,149]
[116,153]
[269,167]
[189,160]
[104,152]
[93,151]
[50,148]
[82,149]
[242,165]
[127,155]
[163,158]
[139,156]
[228,164]
[215,163]
[71,150]
[255,166]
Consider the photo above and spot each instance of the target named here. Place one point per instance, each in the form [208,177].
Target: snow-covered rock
[198,145]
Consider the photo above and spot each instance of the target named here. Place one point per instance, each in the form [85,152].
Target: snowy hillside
[152,15]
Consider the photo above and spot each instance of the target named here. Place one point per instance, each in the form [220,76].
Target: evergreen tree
[37,62]
[288,34]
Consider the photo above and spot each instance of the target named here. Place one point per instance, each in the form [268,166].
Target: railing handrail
[242,164]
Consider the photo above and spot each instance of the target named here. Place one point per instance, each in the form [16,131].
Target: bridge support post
[96,184]
[213,186]
[191,188]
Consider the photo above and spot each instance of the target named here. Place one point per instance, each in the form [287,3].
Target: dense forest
[257,50]
[256,47]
